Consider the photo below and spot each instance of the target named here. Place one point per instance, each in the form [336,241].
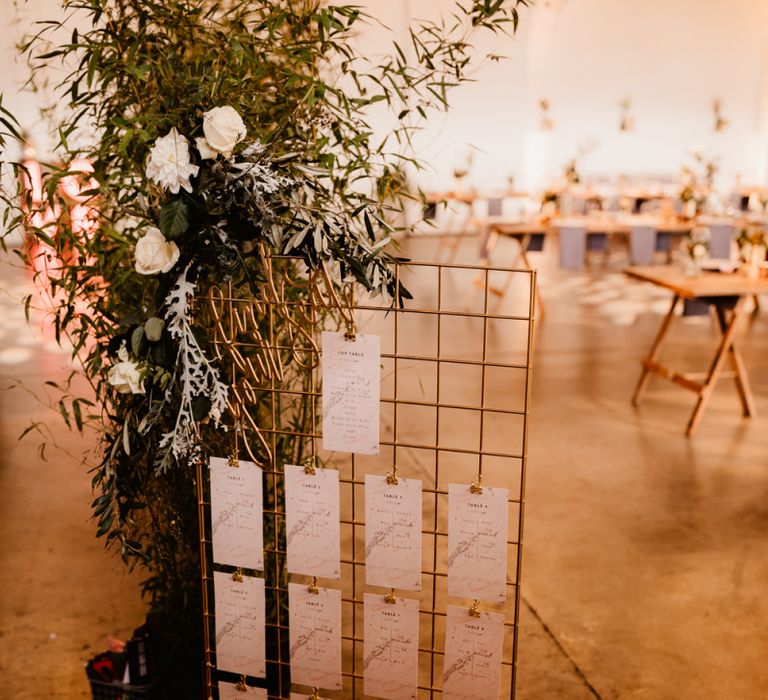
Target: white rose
[206,152]
[154,254]
[223,129]
[125,375]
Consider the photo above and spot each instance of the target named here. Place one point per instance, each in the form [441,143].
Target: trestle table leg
[655,350]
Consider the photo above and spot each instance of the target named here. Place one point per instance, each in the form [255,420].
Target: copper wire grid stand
[423,435]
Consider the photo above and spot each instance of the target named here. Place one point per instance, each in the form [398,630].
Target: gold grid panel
[455,387]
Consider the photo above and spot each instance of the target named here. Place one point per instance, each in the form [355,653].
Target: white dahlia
[169,165]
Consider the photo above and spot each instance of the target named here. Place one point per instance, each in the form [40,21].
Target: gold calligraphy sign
[268,340]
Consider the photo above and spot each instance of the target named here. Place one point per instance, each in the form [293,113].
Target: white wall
[671,57]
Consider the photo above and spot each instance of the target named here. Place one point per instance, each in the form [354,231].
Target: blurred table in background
[726,294]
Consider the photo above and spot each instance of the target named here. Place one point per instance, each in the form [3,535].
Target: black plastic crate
[119,691]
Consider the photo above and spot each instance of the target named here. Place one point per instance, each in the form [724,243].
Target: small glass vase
[689,209]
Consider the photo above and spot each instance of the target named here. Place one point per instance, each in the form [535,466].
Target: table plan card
[391,647]
[230,691]
[351,387]
[237,514]
[477,543]
[315,636]
[312,521]
[473,651]
[240,622]
[393,533]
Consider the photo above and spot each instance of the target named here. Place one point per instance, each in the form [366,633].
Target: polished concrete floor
[61,596]
[644,563]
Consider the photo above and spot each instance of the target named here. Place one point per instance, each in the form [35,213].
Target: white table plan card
[240,634]
[393,532]
[230,691]
[391,647]
[351,390]
[473,651]
[477,542]
[237,509]
[315,636]
[312,521]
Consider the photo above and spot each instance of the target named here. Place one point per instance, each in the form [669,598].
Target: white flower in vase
[125,375]
[154,254]
[169,164]
[224,129]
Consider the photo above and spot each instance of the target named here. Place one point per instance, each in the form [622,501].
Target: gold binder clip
[477,485]
[315,694]
[312,587]
[474,611]
[237,575]
[310,465]
[241,686]
[350,335]
[390,597]
[392,476]
[234,458]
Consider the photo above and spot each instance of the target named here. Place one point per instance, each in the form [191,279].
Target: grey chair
[720,238]
[642,244]
[495,206]
[573,246]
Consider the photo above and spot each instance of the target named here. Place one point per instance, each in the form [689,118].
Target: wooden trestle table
[726,293]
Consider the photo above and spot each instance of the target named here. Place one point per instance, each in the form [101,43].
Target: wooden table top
[705,284]
[618,225]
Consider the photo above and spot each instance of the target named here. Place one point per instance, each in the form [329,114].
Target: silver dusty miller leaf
[199,377]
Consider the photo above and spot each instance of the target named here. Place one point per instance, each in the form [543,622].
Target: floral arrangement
[571,174]
[546,123]
[697,182]
[752,240]
[626,120]
[210,203]
[225,132]
[696,244]
[550,201]
[689,193]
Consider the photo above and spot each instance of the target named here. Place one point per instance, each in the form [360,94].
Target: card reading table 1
[726,293]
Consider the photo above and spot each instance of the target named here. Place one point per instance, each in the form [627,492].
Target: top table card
[351,388]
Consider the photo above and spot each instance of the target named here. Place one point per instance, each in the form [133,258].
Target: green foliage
[136,69]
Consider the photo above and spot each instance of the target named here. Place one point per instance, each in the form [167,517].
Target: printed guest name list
[351,390]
